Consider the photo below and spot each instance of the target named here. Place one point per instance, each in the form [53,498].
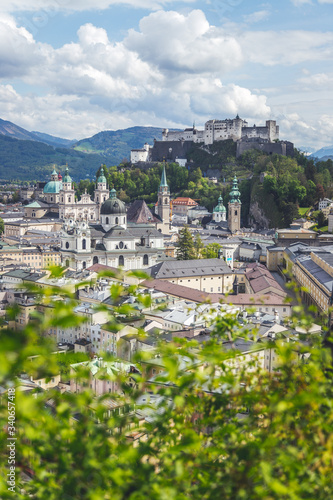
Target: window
[117,220]
[121,260]
[145,260]
[84,244]
[84,265]
[67,244]
[107,220]
[95,260]
[121,245]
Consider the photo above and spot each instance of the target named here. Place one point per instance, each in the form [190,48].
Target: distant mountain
[115,145]
[306,150]
[9,129]
[57,142]
[323,152]
[32,155]
[32,160]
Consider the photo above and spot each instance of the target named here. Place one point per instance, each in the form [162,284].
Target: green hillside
[32,160]
[116,145]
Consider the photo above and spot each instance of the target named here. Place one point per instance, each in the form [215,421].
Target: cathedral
[109,236]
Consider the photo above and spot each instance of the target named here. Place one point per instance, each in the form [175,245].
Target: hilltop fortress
[221,130]
[175,145]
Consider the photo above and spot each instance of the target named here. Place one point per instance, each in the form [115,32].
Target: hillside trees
[185,246]
[216,433]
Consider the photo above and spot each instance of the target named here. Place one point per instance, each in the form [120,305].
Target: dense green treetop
[217,433]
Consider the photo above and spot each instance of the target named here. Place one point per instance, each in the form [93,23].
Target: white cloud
[256,17]
[173,69]
[286,47]
[184,43]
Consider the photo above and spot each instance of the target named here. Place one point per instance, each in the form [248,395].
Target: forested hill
[273,187]
[116,145]
[30,160]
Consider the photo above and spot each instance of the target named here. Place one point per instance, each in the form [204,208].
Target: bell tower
[163,200]
[234,208]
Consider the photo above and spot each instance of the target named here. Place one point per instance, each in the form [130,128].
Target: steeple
[163,200]
[234,208]
[234,193]
[163,178]
[219,212]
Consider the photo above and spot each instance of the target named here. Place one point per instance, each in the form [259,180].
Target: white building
[142,154]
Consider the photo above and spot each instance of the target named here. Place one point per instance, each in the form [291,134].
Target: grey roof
[317,272]
[117,232]
[182,268]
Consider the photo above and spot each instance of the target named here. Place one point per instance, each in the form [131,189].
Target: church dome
[101,178]
[220,207]
[67,177]
[113,206]
[52,187]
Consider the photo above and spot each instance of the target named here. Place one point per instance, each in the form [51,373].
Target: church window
[121,260]
[121,245]
[62,199]
[143,241]
[84,265]
[84,244]
[51,198]
[145,260]
[235,212]
[69,199]
[117,220]
[107,220]
[95,260]
[67,263]
[67,244]
[92,216]
[166,201]
[104,198]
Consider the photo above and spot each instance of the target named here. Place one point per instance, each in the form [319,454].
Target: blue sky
[73,68]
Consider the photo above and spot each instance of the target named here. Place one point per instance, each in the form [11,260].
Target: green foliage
[2,226]
[185,247]
[211,251]
[217,433]
[24,157]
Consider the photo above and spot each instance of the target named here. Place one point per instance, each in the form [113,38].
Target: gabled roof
[139,213]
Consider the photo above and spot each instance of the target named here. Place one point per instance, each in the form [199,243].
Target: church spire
[163,178]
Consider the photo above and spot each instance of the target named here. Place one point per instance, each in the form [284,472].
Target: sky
[73,68]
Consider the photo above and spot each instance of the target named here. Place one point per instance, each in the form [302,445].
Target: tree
[211,251]
[198,246]
[321,219]
[185,249]
[244,433]
[2,226]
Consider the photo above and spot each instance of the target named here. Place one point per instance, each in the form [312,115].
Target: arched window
[104,198]
[145,260]
[121,260]
[117,220]
[67,263]
[95,260]
[107,220]
[67,244]
[62,199]
[84,265]
[51,198]
[69,199]
[84,244]
[235,212]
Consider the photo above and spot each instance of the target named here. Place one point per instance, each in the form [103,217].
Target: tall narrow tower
[234,208]
[163,200]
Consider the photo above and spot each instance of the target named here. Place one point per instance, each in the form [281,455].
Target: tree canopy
[219,429]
